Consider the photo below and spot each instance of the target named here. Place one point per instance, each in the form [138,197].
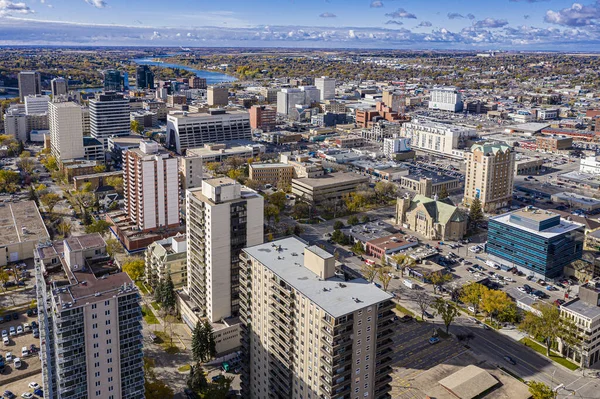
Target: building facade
[278,174]
[437,138]
[217,96]
[151,187]
[30,83]
[263,118]
[36,104]
[553,144]
[535,241]
[333,186]
[144,78]
[326,87]
[66,130]
[308,334]
[446,99]
[433,219]
[223,217]
[59,87]
[113,80]
[167,257]
[490,175]
[109,116]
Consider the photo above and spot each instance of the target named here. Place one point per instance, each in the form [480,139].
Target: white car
[24,352]
[27,395]
[34,385]
[9,356]
[17,363]
[19,330]
[471,309]
[522,290]
[4,333]
[5,340]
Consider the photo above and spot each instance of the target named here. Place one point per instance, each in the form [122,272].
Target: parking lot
[21,386]
[30,361]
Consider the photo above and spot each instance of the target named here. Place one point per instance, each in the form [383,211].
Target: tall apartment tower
[113,80]
[144,77]
[66,130]
[263,117]
[109,116]
[30,82]
[307,333]
[490,175]
[223,217]
[89,322]
[59,87]
[217,96]
[326,86]
[151,187]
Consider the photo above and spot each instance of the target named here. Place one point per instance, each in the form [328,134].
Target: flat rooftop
[427,174]
[332,179]
[582,308]
[21,222]
[563,227]
[394,242]
[531,127]
[534,214]
[369,231]
[185,115]
[269,165]
[578,199]
[334,295]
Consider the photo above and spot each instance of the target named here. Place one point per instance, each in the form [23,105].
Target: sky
[561,25]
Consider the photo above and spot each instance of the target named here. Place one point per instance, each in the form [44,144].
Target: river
[211,77]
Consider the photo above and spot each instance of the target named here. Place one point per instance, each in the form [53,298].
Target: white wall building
[287,99]
[66,130]
[446,99]
[326,87]
[393,146]
[590,165]
[109,116]
[151,187]
[36,104]
[437,138]
[313,95]
[223,217]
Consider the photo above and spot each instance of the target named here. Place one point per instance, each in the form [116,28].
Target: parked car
[27,395]
[20,329]
[5,341]
[15,316]
[17,363]
[12,331]
[34,385]
[39,392]
[434,340]
[24,352]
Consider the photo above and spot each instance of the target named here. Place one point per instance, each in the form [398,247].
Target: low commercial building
[327,187]
[167,258]
[590,165]
[77,167]
[576,201]
[95,180]
[429,183]
[145,118]
[281,137]
[527,166]
[438,138]
[433,219]
[553,144]
[117,145]
[349,141]
[387,246]
[219,152]
[21,229]
[278,174]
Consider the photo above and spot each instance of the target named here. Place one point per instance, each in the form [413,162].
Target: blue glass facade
[542,255]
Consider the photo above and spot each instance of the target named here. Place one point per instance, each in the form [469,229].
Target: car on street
[510,360]
[434,340]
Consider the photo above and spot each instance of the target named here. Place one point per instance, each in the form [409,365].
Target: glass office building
[535,241]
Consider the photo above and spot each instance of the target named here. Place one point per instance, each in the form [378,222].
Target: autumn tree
[546,325]
[115,182]
[446,310]
[494,302]
[50,200]
[4,277]
[403,262]
[134,268]
[137,127]
[384,274]
[443,193]
[64,228]
[99,169]
[98,226]
[438,279]
[369,272]
[539,390]
[471,294]
[113,247]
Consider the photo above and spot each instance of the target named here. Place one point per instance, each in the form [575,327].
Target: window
[94,306]
[94,316]
[106,313]
[97,374]
[110,369]
[94,326]
[97,393]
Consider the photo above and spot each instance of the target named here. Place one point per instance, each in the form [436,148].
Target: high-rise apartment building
[113,80]
[66,130]
[489,175]
[223,217]
[217,96]
[36,104]
[109,116]
[446,99]
[30,83]
[326,87]
[307,333]
[144,77]
[218,125]
[89,322]
[151,187]
[263,117]
[59,87]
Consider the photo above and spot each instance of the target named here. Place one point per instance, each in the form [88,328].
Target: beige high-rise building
[490,175]
[66,130]
[307,333]
[217,96]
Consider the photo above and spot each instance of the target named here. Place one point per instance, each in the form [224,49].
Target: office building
[263,118]
[145,118]
[333,186]
[312,94]
[288,99]
[15,123]
[167,257]
[223,217]
[144,77]
[392,146]
[109,116]
[326,87]
[307,333]
[59,87]
[113,80]
[269,94]
[218,125]
[490,175]
[437,138]
[554,144]
[66,130]
[277,174]
[446,99]
[151,187]
[89,322]
[36,104]
[394,100]
[30,83]
[535,241]
[197,83]
[217,96]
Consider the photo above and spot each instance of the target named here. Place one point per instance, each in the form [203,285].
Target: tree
[214,167]
[252,184]
[32,194]
[113,247]
[403,262]
[443,193]
[219,389]
[134,268]
[424,302]
[50,200]
[198,342]
[446,310]
[99,169]
[385,191]
[51,163]
[365,219]
[471,294]
[235,174]
[168,295]
[156,389]
[278,199]
[115,182]
[137,127]
[197,381]
[384,274]
[301,210]
[539,390]
[271,212]
[98,226]
[9,181]
[64,228]
[546,326]
[158,291]
[352,220]
[494,302]
[339,237]
[338,225]
[475,214]
[357,248]
[210,337]
[438,279]
[369,272]
[4,277]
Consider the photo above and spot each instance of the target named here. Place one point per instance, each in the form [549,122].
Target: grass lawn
[155,305]
[542,350]
[148,315]
[184,368]
[402,309]
[142,287]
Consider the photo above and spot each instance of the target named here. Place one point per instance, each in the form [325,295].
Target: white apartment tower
[307,333]
[66,130]
[109,115]
[29,83]
[36,104]
[326,86]
[223,217]
[89,322]
[151,187]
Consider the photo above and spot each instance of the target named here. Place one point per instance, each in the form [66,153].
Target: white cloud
[328,15]
[97,3]
[8,7]
[576,15]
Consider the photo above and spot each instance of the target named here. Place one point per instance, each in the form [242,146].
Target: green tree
[369,272]
[271,212]
[471,294]
[51,163]
[156,389]
[9,181]
[353,220]
[219,389]
[115,182]
[385,191]
[438,279]
[539,390]
[475,214]
[198,342]
[365,219]
[64,228]
[443,193]
[210,337]
[4,277]
[158,291]
[197,381]
[98,226]
[384,274]
[113,247]
[278,199]
[301,210]
[546,326]
[137,127]
[135,268]
[338,225]
[50,200]
[446,310]
[339,237]
[403,262]
[357,248]
[168,295]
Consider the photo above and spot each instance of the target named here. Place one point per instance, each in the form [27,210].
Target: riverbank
[211,77]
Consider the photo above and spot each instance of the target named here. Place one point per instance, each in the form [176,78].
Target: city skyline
[501,24]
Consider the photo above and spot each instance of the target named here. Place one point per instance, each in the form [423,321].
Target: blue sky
[466,24]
